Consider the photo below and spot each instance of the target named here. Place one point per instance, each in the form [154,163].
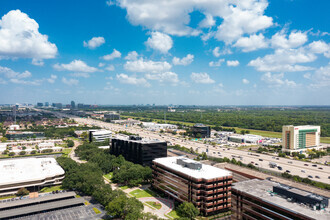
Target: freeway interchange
[303,169]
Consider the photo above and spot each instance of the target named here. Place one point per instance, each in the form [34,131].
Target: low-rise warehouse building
[28,172]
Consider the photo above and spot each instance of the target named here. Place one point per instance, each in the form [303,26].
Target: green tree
[125,208]
[11,154]
[4,139]
[204,156]
[187,209]
[22,152]
[33,152]
[22,192]
[70,143]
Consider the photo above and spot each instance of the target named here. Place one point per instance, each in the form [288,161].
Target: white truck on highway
[272,164]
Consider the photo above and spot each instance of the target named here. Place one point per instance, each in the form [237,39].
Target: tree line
[258,119]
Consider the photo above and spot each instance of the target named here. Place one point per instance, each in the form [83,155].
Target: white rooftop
[101,132]
[28,169]
[206,172]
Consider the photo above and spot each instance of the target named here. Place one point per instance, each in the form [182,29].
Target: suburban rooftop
[206,171]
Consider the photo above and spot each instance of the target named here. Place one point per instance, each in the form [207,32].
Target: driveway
[167,206]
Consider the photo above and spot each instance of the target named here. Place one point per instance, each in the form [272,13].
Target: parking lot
[80,212]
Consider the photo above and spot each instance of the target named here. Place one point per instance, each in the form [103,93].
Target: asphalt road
[317,172]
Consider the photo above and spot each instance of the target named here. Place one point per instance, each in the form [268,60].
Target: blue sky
[210,52]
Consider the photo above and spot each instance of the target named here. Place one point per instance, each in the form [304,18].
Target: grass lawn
[108,176]
[138,193]
[325,140]
[8,197]
[66,151]
[50,189]
[172,214]
[123,187]
[156,205]
[96,210]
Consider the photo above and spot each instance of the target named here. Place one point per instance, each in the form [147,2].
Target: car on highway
[320,168]
[309,176]
[260,159]
[290,162]
[280,168]
[277,158]
[303,171]
[314,165]
[317,177]
[305,164]
[287,171]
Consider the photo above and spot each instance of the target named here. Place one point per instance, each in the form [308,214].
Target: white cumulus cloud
[94,42]
[183,61]
[20,38]
[232,62]
[277,80]
[251,43]
[160,42]
[202,78]
[216,63]
[75,66]
[245,81]
[233,18]
[284,60]
[166,77]
[70,82]
[141,65]
[133,55]
[115,54]
[294,40]
[132,80]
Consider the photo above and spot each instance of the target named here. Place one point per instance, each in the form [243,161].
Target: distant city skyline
[116,52]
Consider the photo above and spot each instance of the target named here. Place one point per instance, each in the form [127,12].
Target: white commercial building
[28,172]
[156,127]
[99,135]
[300,138]
[14,127]
[247,139]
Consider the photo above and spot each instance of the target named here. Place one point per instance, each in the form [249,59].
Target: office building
[300,138]
[111,117]
[246,139]
[263,199]
[200,130]
[137,150]
[73,105]
[47,104]
[29,173]
[40,104]
[99,135]
[57,105]
[17,135]
[183,179]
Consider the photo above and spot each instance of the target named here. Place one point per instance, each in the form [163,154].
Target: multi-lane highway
[313,171]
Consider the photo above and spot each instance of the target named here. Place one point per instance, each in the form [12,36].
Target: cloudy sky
[216,52]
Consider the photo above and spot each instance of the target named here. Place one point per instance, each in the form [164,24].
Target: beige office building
[300,138]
